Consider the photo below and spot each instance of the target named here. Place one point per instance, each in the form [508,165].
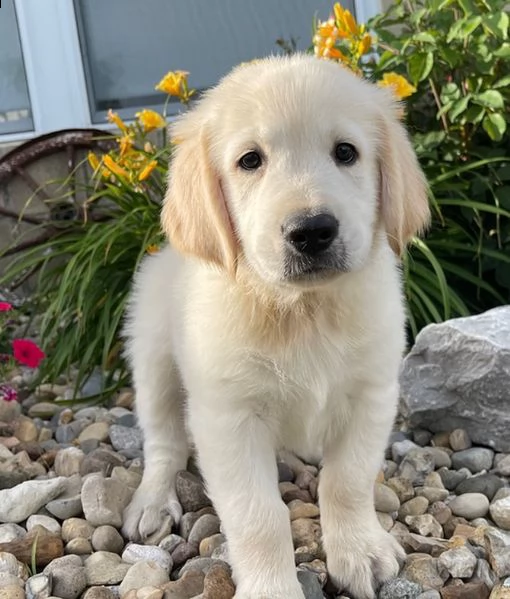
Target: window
[72,60]
[15,111]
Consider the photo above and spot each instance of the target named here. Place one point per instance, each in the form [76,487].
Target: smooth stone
[12,591]
[474,459]
[431,594]
[99,593]
[400,588]
[285,472]
[433,494]
[143,574]
[451,478]
[402,487]
[305,532]
[218,584]
[44,410]
[96,430]
[170,542]
[125,437]
[299,509]
[100,460]
[127,477]
[103,500]
[67,433]
[190,584]
[503,465]
[10,565]
[459,440]
[79,546]
[65,507]
[104,567]
[205,526]
[191,492]
[107,538]
[310,584]
[470,590]
[25,429]
[11,532]
[202,564]
[441,457]
[385,520]
[399,449]
[183,552]
[49,523]
[425,525]
[68,576]
[414,507]
[470,505]
[500,512]
[134,553]
[488,484]
[20,502]
[73,528]
[498,549]
[68,461]
[38,587]
[385,499]
[459,562]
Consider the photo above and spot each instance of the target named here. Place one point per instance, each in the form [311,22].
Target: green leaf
[497,24]
[503,51]
[490,99]
[503,82]
[458,108]
[462,28]
[420,66]
[450,92]
[475,114]
[495,125]
[424,37]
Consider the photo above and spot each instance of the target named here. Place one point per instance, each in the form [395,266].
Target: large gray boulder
[457,375]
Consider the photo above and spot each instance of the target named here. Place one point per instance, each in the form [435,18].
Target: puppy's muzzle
[310,235]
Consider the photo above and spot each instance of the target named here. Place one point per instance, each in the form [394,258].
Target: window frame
[55,69]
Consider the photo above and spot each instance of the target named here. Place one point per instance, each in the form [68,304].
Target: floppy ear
[403,188]
[194,215]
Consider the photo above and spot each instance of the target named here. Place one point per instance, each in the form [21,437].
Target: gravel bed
[67,474]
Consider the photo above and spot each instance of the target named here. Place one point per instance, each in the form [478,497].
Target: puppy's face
[294,151]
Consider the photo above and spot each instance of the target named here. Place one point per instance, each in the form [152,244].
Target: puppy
[276,318]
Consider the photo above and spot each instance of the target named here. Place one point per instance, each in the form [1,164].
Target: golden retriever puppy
[276,318]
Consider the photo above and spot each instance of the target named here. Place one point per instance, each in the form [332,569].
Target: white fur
[266,364]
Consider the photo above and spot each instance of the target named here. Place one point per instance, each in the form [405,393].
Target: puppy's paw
[362,560]
[149,511]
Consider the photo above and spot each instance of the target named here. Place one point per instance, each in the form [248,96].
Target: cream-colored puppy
[276,319]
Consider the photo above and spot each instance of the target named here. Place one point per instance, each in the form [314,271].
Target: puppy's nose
[310,234]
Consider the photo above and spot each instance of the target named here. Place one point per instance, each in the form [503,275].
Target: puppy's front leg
[360,554]
[237,456]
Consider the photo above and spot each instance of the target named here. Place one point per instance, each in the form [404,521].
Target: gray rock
[488,484]
[474,459]
[459,440]
[170,542]
[425,525]
[38,587]
[143,574]
[66,433]
[498,549]
[400,588]
[68,576]
[190,492]
[451,478]
[125,437]
[128,419]
[310,584]
[416,465]
[399,449]
[205,526]
[135,553]
[431,594]
[9,564]
[68,461]
[103,500]
[65,507]
[11,532]
[385,498]
[49,523]
[107,538]
[100,593]
[20,502]
[484,572]
[103,567]
[202,564]
[451,366]
[470,506]
[500,512]
[100,460]
[459,562]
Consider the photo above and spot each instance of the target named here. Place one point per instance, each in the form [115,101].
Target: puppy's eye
[250,161]
[345,153]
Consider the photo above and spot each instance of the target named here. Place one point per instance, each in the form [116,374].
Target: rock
[500,512]
[440,456]
[470,505]
[460,562]
[429,595]
[416,465]
[218,584]
[103,500]
[451,478]
[414,543]
[73,528]
[9,410]
[127,477]
[400,588]
[20,502]
[190,492]
[79,546]
[399,449]
[474,459]
[423,569]
[49,523]
[205,526]
[25,429]
[107,538]
[432,494]
[11,591]
[385,520]
[498,549]
[170,542]
[202,564]
[183,552]
[68,576]
[425,525]
[99,593]
[501,591]
[9,564]
[44,410]
[100,460]
[191,584]
[484,573]
[402,487]
[310,584]
[414,507]
[11,532]
[451,366]
[470,590]
[124,437]
[67,433]
[459,440]
[103,567]
[441,512]
[503,466]
[299,509]
[134,553]
[38,587]
[96,430]
[65,507]
[488,484]
[285,472]
[385,498]
[305,532]
[143,574]
[68,461]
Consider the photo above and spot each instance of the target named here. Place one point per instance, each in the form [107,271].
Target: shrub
[448,59]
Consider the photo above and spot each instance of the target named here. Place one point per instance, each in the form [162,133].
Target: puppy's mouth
[302,268]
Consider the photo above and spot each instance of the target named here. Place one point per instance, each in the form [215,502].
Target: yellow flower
[365,44]
[398,84]
[150,120]
[110,164]
[147,170]
[113,117]
[93,160]
[125,144]
[173,83]
[345,22]
[152,249]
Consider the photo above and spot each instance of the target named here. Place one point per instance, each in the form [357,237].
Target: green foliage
[457,54]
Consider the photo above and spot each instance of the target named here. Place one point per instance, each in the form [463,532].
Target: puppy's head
[292,167]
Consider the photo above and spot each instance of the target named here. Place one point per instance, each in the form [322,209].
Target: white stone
[23,500]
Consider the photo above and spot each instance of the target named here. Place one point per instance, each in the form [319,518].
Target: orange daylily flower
[150,120]
[398,84]
[112,166]
[174,83]
[93,160]
[113,117]
[147,170]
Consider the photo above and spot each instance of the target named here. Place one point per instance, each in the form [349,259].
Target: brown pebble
[218,584]
[471,590]
[459,440]
[183,552]
[301,494]
[33,449]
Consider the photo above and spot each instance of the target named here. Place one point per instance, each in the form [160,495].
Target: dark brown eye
[250,161]
[345,153]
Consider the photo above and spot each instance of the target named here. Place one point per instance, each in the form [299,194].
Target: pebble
[49,524]
[385,498]
[201,564]
[400,588]
[423,569]
[134,553]
[459,562]
[99,593]
[107,538]
[500,512]
[96,430]
[190,584]
[299,509]
[11,532]
[68,461]
[73,528]
[498,550]
[474,459]
[425,525]
[310,584]
[20,502]
[103,567]
[431,594]
[205,526]
[68,576]
[103,500]
[79,546]
[459,440]
[218,584]
[12,592]
[488,484]
[416,465]
[125,437]
[451,478]
[414,507]
[143,574]
[190,492]
[503,465]
[305,532]
[170,542]
[38,587]
[470,505]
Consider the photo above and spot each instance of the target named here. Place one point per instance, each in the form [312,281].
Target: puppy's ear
[194,215]
[403,188]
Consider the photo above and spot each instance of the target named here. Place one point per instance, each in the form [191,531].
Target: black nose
[311,234]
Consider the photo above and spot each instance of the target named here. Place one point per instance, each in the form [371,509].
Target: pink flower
[27,352]
[5,306]
[8,393]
